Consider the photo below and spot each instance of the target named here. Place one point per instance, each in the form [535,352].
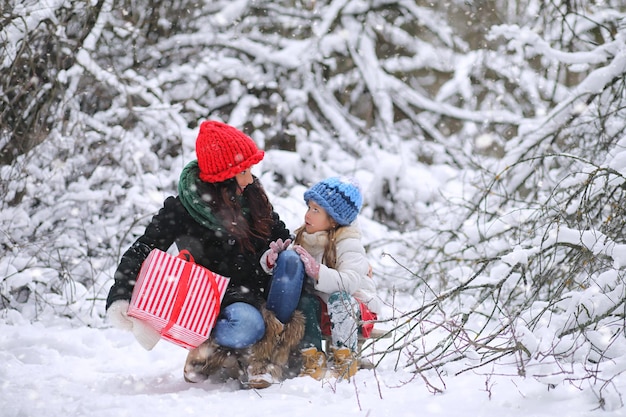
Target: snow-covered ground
[58,369]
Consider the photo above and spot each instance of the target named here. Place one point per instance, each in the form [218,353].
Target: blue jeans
[286,286]
[239,325]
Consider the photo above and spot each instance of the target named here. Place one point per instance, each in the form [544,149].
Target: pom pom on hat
[224,151]
[339,196]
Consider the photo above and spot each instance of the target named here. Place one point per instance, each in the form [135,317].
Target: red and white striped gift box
[177,297]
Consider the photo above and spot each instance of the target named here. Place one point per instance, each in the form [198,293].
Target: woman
[223,217]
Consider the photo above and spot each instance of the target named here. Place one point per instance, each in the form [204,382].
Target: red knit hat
[224,151]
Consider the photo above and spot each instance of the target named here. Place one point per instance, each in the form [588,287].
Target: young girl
[334,259]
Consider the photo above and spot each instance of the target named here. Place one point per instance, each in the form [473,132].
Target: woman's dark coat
[217,251]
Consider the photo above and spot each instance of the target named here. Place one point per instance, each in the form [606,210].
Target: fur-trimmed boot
[257,361]
[210,359]
[267,360]
[289,340]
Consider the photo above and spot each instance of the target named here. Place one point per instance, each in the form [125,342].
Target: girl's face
[316,219]
[244,178]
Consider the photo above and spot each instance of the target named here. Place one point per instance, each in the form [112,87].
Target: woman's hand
[117,314]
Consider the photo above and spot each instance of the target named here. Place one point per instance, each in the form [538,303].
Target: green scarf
[195,205]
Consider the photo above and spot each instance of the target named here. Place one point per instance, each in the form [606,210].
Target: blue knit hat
[340,197]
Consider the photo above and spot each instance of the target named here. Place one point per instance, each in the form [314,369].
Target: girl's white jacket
[351,271]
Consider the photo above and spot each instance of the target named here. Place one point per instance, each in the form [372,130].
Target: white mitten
[145,335]
[117,315]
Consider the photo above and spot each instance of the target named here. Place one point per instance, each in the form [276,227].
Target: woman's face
[244,178]
[316,219]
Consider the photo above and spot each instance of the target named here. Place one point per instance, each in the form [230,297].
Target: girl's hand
[311,266]
[276,248]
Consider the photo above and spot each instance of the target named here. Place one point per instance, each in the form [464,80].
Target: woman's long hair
[246,223]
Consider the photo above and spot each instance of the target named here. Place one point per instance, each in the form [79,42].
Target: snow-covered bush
[532,269]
